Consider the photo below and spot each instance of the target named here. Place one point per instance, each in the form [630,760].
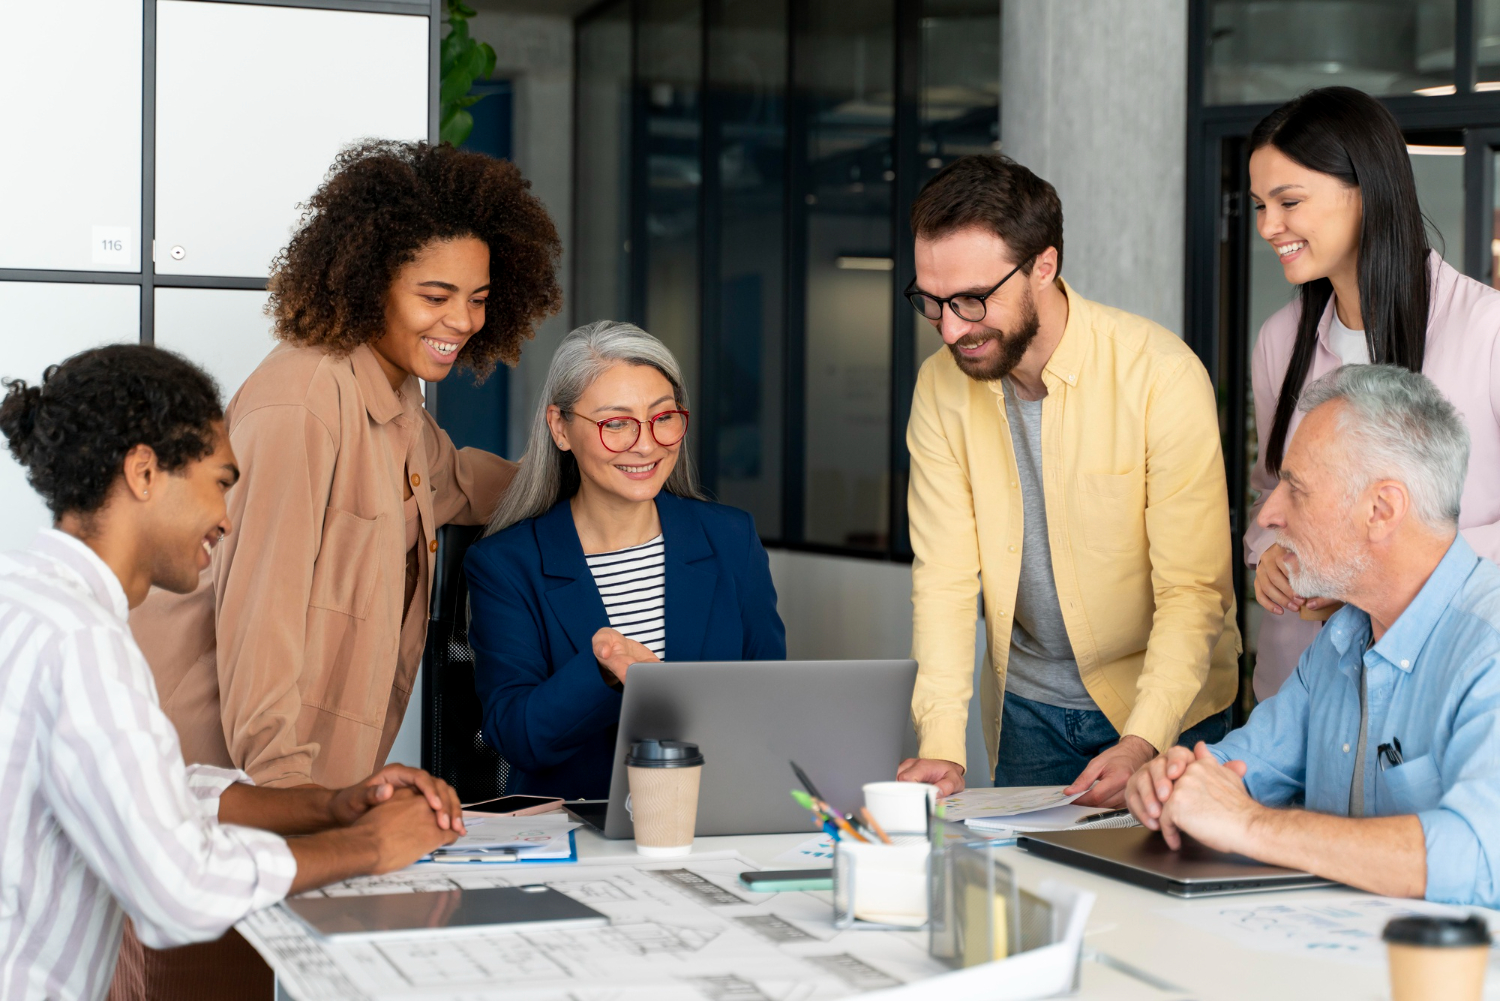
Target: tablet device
[404,915]
[1141,856]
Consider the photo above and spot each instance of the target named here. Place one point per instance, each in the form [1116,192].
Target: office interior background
[735,176]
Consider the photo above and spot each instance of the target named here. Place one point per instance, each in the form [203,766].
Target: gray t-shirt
[1042,667]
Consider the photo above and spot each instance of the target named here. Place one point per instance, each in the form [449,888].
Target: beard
[1013,346]
[1320,575]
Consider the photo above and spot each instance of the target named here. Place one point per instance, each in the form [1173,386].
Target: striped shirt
[101,818]
[632,583]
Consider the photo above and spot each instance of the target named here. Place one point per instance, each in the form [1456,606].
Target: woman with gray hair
[604,554]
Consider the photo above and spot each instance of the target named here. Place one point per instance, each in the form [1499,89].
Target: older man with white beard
[1389,731]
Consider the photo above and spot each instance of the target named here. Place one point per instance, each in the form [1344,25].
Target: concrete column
[1094,99]
[536,52]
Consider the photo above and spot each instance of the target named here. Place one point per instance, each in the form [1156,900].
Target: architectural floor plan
[683,929]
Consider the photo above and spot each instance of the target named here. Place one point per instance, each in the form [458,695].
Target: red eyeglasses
[620,434]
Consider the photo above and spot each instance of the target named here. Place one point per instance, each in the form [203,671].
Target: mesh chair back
[453,745]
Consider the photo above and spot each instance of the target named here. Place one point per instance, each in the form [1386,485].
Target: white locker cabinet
[70,125]
[41,324]
[224,331]
[252,104]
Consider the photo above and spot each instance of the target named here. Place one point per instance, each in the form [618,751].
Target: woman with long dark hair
[1335,198]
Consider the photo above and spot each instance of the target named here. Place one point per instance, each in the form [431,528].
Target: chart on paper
[678,930]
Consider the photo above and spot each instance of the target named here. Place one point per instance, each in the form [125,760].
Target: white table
[1173,961]
[1127,925]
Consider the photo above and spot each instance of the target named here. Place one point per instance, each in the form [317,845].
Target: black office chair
[453,746]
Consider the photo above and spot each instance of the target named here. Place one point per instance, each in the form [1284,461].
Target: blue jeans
[1042,745]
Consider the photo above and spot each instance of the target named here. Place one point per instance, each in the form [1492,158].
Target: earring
[145,494]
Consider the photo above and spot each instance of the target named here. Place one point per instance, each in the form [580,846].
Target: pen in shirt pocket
[1389,755]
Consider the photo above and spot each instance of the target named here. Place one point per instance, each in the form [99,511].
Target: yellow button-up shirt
[1138,521]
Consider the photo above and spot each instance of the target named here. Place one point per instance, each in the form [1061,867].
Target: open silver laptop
[1141,856]
[846,722]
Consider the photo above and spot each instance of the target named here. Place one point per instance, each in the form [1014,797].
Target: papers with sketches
[680,930]
[535,838]
[1342,926]
[1008,801]
[1068,817]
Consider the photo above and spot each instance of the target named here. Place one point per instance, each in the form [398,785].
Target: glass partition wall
[745,172]
[1428,61]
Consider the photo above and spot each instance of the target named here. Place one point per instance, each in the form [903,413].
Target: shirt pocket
[1112,506]
[346,571]
[1410,787]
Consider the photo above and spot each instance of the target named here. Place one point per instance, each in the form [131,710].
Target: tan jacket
[1137,518]
[291,660]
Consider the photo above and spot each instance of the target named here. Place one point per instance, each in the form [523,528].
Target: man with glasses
[1065,462]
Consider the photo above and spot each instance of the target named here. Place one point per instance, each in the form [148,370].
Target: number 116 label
[111,245]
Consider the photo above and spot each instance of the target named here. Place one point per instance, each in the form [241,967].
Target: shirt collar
[1403,642]
[76,561]
[1067,359]
[381,401]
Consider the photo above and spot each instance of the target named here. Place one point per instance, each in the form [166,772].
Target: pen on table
[808,803]
[807,783]
[874,825]
[843,822]
[1104,815]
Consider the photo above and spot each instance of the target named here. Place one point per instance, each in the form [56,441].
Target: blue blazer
[534,610]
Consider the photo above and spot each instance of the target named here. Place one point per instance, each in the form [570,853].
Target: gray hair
[1397,425]
[548,474]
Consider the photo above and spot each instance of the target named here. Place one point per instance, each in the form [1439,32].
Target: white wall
[1096,103]
[41,323]
[225,331]
[70,125]
[252,104]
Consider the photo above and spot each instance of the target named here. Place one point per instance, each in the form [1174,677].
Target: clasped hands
[1191,792]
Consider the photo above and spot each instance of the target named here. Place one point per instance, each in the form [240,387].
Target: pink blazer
[1462,357]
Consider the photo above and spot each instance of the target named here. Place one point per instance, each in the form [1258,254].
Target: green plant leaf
[456,127]
[489,60]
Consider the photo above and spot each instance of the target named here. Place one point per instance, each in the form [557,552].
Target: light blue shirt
[1433,682]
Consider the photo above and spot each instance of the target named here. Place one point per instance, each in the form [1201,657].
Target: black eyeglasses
[965,306]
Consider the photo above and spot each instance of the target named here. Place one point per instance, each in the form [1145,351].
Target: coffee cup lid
[663,754]
[1437,932]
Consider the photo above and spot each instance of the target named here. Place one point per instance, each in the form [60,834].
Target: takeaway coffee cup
[663,776]
[1437,959]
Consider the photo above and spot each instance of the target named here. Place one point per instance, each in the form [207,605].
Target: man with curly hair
[296,658]
[103,818]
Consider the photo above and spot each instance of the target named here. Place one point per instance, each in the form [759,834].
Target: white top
[1348,344]
[100,816]
[632,583]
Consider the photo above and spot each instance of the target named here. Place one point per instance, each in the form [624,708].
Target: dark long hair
[1348,134]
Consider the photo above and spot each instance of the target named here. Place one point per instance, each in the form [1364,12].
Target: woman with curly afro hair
[296,658]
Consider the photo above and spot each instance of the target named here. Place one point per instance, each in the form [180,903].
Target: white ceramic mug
[898,806]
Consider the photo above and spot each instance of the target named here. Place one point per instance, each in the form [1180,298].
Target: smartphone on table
[516,806]
[775,880]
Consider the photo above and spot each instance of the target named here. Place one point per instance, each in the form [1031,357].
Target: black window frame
[909,170]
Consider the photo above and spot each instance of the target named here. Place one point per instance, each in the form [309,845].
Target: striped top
[632,583]
[100,816]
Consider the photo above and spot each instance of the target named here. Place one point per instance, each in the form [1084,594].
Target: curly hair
[382,202]
[72,432]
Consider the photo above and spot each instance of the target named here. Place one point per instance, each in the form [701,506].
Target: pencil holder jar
[880,884]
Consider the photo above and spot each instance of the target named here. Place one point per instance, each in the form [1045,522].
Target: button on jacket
[1138,521]
[1433,683]
[292,660]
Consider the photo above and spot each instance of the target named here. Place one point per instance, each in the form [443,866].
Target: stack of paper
[543,838]
[1010,810]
